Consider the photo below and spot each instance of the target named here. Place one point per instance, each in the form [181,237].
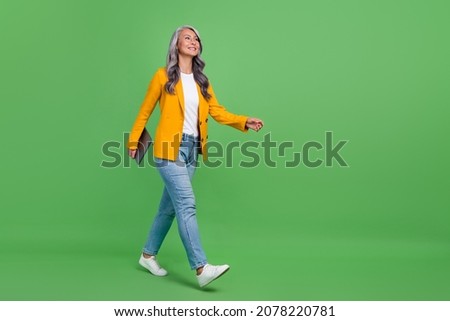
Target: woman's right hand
[132,153]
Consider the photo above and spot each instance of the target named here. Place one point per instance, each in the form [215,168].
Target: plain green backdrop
[375,73]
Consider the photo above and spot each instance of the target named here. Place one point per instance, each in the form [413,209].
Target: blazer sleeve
[222,116]
[148,105]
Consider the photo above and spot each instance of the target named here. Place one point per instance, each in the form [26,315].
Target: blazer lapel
[202,104]
[179,93]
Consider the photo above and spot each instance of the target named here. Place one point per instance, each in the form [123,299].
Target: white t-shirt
[190,104]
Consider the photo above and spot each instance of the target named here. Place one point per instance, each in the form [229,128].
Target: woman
[186,98]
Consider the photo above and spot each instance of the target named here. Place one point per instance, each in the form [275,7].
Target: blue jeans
[178,200]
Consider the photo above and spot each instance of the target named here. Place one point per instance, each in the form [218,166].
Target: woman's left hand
[254,123]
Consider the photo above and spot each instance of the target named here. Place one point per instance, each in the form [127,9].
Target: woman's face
[188,43]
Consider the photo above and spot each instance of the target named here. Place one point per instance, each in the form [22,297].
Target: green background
[376,73]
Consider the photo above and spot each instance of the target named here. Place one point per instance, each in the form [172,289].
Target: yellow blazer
[170,127]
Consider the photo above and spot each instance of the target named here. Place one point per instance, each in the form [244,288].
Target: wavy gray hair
[198,64]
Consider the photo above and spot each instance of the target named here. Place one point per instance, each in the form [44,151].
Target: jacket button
[202,140]
[206,120]
[200,122]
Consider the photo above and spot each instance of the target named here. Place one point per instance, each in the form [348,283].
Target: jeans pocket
[183,154]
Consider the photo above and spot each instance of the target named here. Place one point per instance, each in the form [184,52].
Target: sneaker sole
[160,275]
[202,286]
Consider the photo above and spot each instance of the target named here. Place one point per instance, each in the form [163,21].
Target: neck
[185,64]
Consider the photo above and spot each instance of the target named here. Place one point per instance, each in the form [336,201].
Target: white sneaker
[210,273]
[152,265]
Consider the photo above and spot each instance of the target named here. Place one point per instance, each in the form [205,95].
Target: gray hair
[198,64]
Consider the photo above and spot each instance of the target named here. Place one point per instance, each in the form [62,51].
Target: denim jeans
[178,200]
